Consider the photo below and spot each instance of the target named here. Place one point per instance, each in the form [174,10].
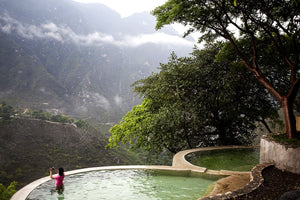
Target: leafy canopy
[7,192]
[195,101]
[275,21]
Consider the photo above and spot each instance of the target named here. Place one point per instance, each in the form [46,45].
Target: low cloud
[156,38]
[10,25]
[100,101]
[64,33]
[118,100]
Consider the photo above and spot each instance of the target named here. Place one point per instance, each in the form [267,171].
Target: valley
[76,60]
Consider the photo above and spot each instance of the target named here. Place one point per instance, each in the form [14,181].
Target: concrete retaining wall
[283,156]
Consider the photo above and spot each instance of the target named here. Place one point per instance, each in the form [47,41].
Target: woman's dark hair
[61,171]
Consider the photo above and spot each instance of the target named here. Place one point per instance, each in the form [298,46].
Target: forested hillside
[30,146]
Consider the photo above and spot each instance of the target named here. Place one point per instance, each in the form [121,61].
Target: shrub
[81,124]
[7,192]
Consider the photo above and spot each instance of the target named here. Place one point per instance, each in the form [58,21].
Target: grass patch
[282,138]
[226,159]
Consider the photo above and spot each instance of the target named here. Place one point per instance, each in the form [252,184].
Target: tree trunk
[185,130]
[289,118]
[263,121]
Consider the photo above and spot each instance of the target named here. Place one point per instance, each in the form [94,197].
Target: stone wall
[255,182]
[285,157]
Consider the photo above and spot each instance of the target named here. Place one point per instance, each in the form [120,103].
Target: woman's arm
[51,174]
[55,170]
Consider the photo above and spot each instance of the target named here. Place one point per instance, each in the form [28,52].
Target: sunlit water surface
[127,185]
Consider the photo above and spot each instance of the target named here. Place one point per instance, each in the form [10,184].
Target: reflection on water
[60,195]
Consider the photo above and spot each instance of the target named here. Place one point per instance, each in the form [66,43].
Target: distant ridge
[79,59]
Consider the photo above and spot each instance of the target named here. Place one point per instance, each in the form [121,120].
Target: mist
[64,33]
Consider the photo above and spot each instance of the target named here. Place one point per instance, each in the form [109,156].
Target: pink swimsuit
[59,180]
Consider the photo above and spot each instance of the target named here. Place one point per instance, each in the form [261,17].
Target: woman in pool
[59,179]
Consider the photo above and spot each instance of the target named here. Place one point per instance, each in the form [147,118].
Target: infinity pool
[239,159]
[127,185]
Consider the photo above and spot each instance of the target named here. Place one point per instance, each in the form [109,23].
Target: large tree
[275,21]
[195,101]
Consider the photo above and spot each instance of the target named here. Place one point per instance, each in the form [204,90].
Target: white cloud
[118,100]
[66,34]
[100,101]
[156,38]
[10,25]
[51,27]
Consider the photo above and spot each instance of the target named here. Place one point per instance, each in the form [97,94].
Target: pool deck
[179,164]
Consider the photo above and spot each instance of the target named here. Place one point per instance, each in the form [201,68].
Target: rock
[291,195]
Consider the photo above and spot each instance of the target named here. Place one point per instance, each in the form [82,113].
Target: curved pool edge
[179,164]
[179,160]
[23,193]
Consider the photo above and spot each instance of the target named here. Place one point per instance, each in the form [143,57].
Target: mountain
[78,59]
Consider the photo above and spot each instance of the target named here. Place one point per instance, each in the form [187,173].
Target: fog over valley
[79,59]
[65,75]
[64,34]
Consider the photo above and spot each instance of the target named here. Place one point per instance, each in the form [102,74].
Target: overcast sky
[62,33]
[128,7]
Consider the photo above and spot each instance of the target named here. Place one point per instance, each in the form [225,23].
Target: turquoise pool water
[226,159]
[127,185]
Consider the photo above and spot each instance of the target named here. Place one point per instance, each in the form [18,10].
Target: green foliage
[213,17]
[6,111]
[235,2]
[61,119]
[282,139]
[134,128]
[9,111]
[82,124]
[39,114]
[274,23]
[195,101]
[7,192]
